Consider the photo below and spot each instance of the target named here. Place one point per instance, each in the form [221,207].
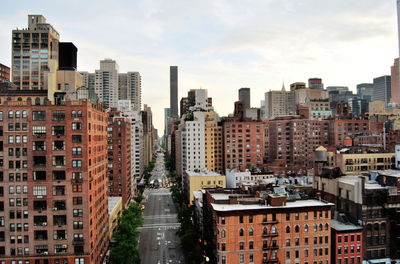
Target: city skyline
[223,46]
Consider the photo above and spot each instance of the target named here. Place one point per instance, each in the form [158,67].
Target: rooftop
[392,173]
[295,204]
[341,226]
[203,173]
[112,203]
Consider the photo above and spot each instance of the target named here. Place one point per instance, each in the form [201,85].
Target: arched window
[45,100]
[265,230]
[223,233]
[315,227]
[274,230]
[383,227]
[73,113]
[19,99]
[29,99]
[326,226]
[241,232]
[37,101]
[79,113]
[306,228]
[297,229]
[10,114]
[17,114]
[251,231]
[376,227]
[24,114]
[287,229]
[320,227]
[369,227]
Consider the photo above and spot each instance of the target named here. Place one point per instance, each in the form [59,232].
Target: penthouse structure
[265,227]
[53,180]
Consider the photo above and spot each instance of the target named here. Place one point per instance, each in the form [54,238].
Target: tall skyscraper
[365,91]
[395,82]
[382,89]
[173,82]
[34,52]
[244,96]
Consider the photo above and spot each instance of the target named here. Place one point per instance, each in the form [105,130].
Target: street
[158,242]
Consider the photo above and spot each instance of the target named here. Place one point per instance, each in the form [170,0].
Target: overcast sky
[221,45]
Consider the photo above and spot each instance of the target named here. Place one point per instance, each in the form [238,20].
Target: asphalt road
[158,242]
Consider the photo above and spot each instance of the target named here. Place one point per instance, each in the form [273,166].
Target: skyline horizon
[229,63]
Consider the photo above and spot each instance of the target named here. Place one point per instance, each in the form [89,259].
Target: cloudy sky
[221,45]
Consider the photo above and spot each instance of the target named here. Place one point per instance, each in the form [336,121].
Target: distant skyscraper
[382,89]
[244,96]
[365,91]
[395,82]
[315,83]
[34,53]
[173,78]
[166,116]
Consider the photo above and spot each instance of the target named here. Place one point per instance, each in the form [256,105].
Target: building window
[241,233]
[251,231]
[287,229]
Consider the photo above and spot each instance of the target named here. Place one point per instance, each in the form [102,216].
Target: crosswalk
[165,226]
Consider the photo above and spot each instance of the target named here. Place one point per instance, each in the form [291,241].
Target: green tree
[125,250]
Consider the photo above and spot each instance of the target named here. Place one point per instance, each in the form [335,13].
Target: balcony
[39,206]
[40,220]
[39,161]
[59,220]
[40,235]
[269,222]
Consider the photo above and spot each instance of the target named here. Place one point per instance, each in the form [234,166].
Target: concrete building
[119,167]
[130,88]
[265,228]
[55,177]
[201,179]
[190,101]
[106,83]
[276,103]
[382,89]
[173,90]
[137,141]
[244,96]
[4,73]
[358,163]
[114,213]
[34,54]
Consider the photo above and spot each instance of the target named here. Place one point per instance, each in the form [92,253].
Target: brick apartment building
[119,156]
[265,228]
[346,243]
[53,199]
[243,140]
[4,73]
[292,139]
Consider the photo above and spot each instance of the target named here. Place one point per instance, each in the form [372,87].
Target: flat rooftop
[112,203]
[340,226]
[353,179]
[295,204]
[392,173]
[203,173]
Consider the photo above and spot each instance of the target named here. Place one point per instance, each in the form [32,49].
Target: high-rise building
[190,101]
[365,91]
[34,53]
[130,88]
[55,207]
[276,103]
[166,116]
[173,79]
[315,83]
[395,76]
[119,169]
[88,79]
[106,82]
[382,89]
[4,73]
[148,140]
[137,141]
[244,96]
